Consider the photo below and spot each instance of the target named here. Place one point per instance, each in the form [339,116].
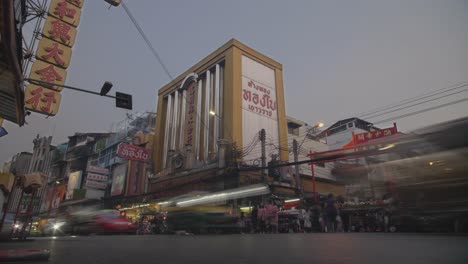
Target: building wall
[225,67]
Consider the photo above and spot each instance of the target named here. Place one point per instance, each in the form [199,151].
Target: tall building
[210,118]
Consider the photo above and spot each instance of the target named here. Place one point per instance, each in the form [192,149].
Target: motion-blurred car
[10,225]
[103,222]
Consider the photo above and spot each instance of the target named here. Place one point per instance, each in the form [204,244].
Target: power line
[143,35]
[411,99]
[423,102]
[422,111]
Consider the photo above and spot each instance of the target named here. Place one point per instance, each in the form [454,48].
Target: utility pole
[313,176]
[296,167]
[262,137]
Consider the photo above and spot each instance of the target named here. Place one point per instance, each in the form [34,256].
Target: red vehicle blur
[103,222]
[114,223]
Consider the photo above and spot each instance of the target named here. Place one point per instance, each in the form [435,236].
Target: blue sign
[3,132]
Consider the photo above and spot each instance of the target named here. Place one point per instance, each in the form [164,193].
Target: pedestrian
[254,219]
[242,223]
[386,219]
[330,210]
[307,222]
[261,219]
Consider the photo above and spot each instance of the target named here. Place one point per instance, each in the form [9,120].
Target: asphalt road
[346,248]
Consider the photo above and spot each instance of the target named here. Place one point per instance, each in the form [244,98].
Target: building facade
[210,117]
[307,142]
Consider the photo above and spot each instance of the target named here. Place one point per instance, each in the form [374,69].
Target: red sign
[96,177]
[371,135]
[132,152]
[259,99]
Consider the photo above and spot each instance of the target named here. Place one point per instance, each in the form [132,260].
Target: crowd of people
[327,217]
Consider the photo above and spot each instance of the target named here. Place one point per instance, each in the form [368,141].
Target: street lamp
[212,113]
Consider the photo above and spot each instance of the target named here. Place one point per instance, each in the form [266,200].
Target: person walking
[254,219]
[307,222]
[261,219]
[331,213]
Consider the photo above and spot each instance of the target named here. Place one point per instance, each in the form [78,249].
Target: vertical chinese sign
[53,56]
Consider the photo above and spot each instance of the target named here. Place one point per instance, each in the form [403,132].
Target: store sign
[97,170]
[97,177]
[53,56]
[63,10]
[54,53]
[258,98]
[132,152]
[190,113]
[362,138]
[48,73]
[59,31]
[42,100]
[95,184]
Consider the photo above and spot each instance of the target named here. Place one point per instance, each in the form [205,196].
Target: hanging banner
[362,138]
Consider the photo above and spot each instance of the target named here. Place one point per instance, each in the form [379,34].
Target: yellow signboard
[54,52]
[42,100]
[48,73]
[65,11]
[78,3]
[59,31]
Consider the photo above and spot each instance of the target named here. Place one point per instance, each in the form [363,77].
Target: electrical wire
[412,99]
[423,102]
[148,43]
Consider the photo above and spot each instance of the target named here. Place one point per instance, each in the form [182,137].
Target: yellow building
[219,105]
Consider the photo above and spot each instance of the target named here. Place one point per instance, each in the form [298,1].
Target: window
[293,128]
[321,165]
[350,125]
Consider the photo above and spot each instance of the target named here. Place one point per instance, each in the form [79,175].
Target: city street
[283,248]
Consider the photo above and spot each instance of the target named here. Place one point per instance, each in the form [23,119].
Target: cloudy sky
[340,58]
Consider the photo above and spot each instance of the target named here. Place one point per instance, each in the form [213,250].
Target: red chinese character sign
[65,11]
[191,114]
[48,73]
[53,52]
[59,31]
[42,100]
[132,152]
[362,138]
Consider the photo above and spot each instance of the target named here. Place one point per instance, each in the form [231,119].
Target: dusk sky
[340,58]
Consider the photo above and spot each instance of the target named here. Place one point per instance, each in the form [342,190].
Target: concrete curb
[24,254]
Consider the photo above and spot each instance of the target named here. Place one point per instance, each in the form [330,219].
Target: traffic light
[123,100]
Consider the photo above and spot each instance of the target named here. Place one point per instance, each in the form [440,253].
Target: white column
[207,115]
[182,120]
[216,107]
[167,129]
[175,119]
[196,147]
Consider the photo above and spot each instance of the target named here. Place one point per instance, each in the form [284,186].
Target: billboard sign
[96,177]
[96,184]
[119,174]
[259,104]
[74,182]
[42,100]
